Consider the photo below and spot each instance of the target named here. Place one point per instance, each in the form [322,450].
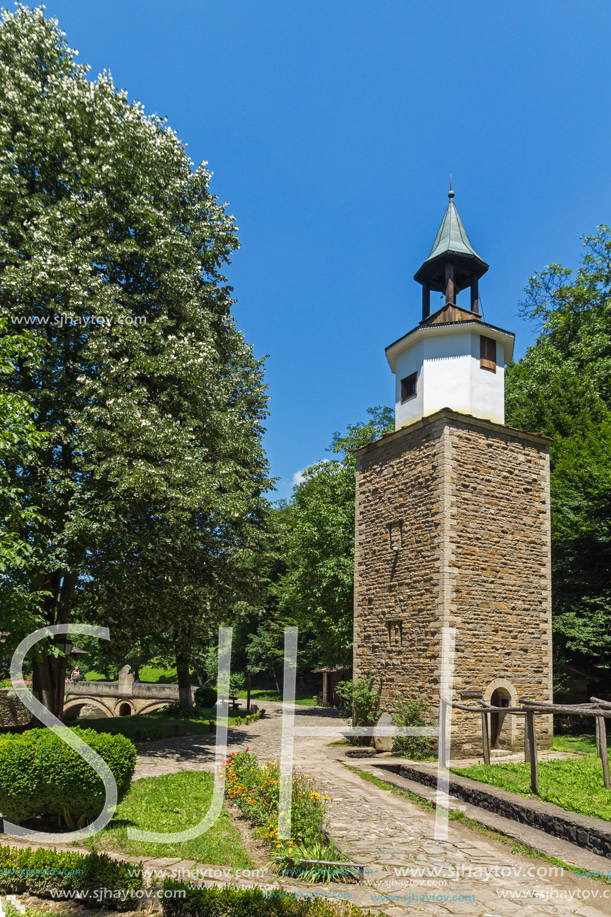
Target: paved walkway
[464,875]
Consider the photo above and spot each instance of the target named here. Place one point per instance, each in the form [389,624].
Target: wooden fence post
[601,733]
[485,738]
[598,751]
[532,749]
[443,713]
[526,746]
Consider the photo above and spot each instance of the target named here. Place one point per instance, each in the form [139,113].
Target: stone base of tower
[453,530]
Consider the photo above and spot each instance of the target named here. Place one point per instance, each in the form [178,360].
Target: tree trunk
[184,681]
[49,672]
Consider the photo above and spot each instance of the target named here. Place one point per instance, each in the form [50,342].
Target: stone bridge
[117,698]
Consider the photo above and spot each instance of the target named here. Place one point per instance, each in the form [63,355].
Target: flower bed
[249,718]
[255,789]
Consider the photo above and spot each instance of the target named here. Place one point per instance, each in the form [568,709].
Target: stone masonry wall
[501,570]
[12,711]
[396,616]
[466,502]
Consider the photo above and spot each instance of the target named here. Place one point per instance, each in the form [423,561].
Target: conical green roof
[452,235]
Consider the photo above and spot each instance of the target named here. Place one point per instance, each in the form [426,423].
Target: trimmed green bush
[19,777]
[199,901]
[205,696]
[42,775]
[178,710]
[103,882]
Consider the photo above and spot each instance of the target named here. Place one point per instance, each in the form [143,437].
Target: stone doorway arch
[125,709]
[503,733]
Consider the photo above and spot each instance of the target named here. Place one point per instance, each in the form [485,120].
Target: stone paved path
[389,834]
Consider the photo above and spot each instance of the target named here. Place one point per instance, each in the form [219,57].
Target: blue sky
[331,127]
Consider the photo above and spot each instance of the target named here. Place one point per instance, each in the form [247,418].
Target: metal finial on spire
[451,191]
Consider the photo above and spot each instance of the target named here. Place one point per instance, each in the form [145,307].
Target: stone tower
[452,516]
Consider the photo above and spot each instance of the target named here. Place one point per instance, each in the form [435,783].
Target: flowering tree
[19,439]
[151,476]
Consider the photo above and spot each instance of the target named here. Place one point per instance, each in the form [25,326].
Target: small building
[331,677]
[453,515]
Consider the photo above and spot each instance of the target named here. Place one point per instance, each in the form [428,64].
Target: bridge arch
[72,708]
[154,705]
[124,708]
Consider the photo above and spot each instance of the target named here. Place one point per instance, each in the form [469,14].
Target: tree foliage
[562,387]
[112,247]
[316,592]
[19,440]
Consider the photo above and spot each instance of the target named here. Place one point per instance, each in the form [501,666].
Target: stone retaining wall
[12,711]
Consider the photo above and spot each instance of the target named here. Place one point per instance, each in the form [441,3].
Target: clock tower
[453,516]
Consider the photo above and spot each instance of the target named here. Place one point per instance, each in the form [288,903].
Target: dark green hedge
[42,775]
[101,881]
[205,696]
[228,901]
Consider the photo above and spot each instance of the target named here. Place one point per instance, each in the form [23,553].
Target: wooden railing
[600,709]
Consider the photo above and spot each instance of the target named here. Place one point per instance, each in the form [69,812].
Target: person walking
[76,675]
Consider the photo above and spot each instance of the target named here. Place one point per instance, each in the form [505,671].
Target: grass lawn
[585,745]
[155,725]
[149,674]
[261,694]
[575,784]
[173,802]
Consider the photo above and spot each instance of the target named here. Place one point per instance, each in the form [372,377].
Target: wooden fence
[599,709]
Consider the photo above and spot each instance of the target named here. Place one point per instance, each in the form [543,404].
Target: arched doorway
[125,709]
[500,698]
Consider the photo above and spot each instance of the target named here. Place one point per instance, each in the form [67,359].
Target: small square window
[408,387]
[487,354]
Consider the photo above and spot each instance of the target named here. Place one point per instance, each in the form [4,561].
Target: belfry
[452,515]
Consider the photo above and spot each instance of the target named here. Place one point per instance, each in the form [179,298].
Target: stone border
[593,834]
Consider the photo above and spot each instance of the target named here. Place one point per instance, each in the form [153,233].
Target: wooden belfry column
[449,291]
[475,295]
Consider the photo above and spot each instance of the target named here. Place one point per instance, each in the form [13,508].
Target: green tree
[19,439]
[317,590]
[562,387]
[112,247]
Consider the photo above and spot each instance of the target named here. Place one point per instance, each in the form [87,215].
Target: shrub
[192,901]
[42,775]
[411,712]
[52,874]
[364,702]
[205,696]
[177,710]
[237,681]
[19,776]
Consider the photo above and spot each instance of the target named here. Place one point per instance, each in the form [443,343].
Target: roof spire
[453,263]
